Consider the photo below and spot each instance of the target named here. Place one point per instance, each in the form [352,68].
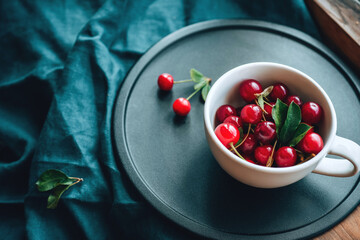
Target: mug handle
[341,167]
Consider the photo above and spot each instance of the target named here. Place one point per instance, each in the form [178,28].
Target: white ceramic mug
[226,91]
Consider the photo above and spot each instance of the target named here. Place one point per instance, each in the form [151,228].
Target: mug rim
[283,170]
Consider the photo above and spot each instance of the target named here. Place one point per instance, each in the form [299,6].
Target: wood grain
[349,229]
[339,22]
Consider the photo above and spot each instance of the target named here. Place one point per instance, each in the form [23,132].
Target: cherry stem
[77,180]
[309,157]
[183,81]
[267,100]
[191,95]
[263,116]
[268,103]
[298,151]
[262,110]
[244,137]
[270,161]
[302,160]
[234,149]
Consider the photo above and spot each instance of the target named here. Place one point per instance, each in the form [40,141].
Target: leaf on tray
[200,84]
[205,91]
[196,76]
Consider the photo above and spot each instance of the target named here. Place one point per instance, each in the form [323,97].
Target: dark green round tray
[168,159]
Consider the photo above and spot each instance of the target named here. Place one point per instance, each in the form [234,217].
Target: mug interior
[226,91]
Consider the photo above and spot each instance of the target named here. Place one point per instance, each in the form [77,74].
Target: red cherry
[249,158]
[285,157]
[181,107]
[262,154]
[234,120]
[311,113]
[248,88]
[251,113]
[268,110]
[250,161]
[249,145]
[224,111]
[265,132]
[165,82]
[227,133]
[279,91]
[295,99]
[311,143]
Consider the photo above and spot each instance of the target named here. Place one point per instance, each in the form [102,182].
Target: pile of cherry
[274,129]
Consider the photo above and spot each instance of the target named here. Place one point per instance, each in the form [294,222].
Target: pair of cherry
[231,120]
[181,106]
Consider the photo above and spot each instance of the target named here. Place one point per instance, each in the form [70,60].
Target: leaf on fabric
[55,195]
[52,178]
[58,182]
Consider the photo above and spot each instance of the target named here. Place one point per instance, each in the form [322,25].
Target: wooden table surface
[348,229]
[339,23]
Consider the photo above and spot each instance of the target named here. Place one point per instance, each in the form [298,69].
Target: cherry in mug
[281,138]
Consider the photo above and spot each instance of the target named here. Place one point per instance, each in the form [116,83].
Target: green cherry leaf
[51,179]
[278,113]
[292,122]
[261,101]
[200,84]
[55,195]
[267,91]
[196,76]
[205,91]
[300,133]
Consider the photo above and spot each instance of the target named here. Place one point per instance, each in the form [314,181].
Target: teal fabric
[62,63]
